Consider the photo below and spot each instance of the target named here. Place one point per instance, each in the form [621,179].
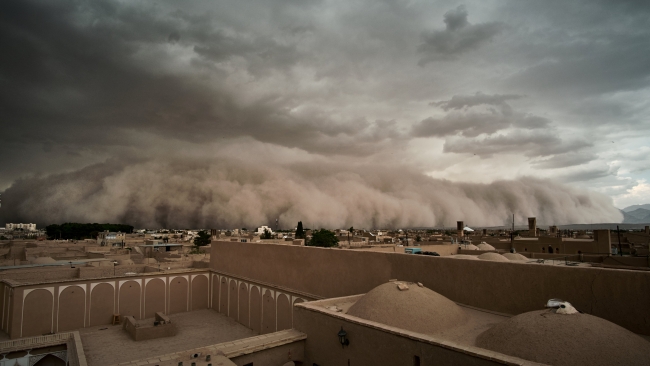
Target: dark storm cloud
[464,101]
[469,121]
[136,84]
[459,37]
[76,73]
[586,175]
[525,142]
[565,160]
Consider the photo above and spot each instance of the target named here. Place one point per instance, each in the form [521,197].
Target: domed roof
[125,262]
[463,256]
[469,247]
[43,260]
[556,339]
[417,309]
[485,246]
[496,257]
[515,257]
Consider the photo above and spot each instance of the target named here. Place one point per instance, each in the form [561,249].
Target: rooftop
[109,344]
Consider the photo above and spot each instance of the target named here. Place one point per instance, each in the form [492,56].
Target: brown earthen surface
[495,257]
[464,256]
[555,339]
[515,257]
[417,309]
[194,329]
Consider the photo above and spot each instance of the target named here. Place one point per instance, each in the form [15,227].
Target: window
[416,360]
[249,364]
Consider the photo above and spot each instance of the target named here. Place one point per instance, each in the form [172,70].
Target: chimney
[647,230]
[532,226]
[460,225]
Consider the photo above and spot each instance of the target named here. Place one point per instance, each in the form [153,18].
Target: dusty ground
[195,329]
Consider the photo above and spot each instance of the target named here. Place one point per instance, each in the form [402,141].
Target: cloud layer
[227,193]
[127,89]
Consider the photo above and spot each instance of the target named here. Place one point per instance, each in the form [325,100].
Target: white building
[26,227]
[260,230]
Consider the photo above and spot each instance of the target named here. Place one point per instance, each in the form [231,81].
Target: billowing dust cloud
[227,193]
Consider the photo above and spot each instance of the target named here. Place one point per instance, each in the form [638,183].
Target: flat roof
[106,345]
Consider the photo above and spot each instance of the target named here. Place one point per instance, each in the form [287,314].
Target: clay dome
[485,246]
[43,260]
[515,257]
[556,339]
[125,262]
[463,256]
[469,247]
[495,257]
[417,309]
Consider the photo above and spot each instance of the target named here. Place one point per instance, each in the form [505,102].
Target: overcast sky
[471,91]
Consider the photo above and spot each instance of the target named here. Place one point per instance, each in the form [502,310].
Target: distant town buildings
[382,297]
[111,238]
[262,229]
[26,227]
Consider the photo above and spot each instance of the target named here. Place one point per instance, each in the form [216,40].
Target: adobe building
[294,305]
[532,226]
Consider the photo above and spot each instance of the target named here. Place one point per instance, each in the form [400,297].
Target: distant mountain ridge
[636,214]
[634,207]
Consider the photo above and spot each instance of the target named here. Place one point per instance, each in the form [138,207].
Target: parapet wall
[51,307]
[508,287]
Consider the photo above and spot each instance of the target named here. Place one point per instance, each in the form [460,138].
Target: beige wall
[261,307]
[372,346]
[62,306]
[600,244]
[511,288]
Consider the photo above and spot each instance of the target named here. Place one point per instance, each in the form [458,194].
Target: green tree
[300,233]
[323,238]
[418,238]
[266,234]
[202,239]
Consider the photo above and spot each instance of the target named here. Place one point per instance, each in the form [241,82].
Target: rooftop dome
[468,247]
[417,309]
[485,246]
[125,262]
[515,257]
[43,260]
[495,257]
[464,256]
[556,339]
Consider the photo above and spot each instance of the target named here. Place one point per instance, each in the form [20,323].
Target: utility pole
[618,233]
[512,234]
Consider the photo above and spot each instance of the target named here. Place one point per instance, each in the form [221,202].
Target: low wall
[507,287]
[51,307]
[40,274]
[140,332]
